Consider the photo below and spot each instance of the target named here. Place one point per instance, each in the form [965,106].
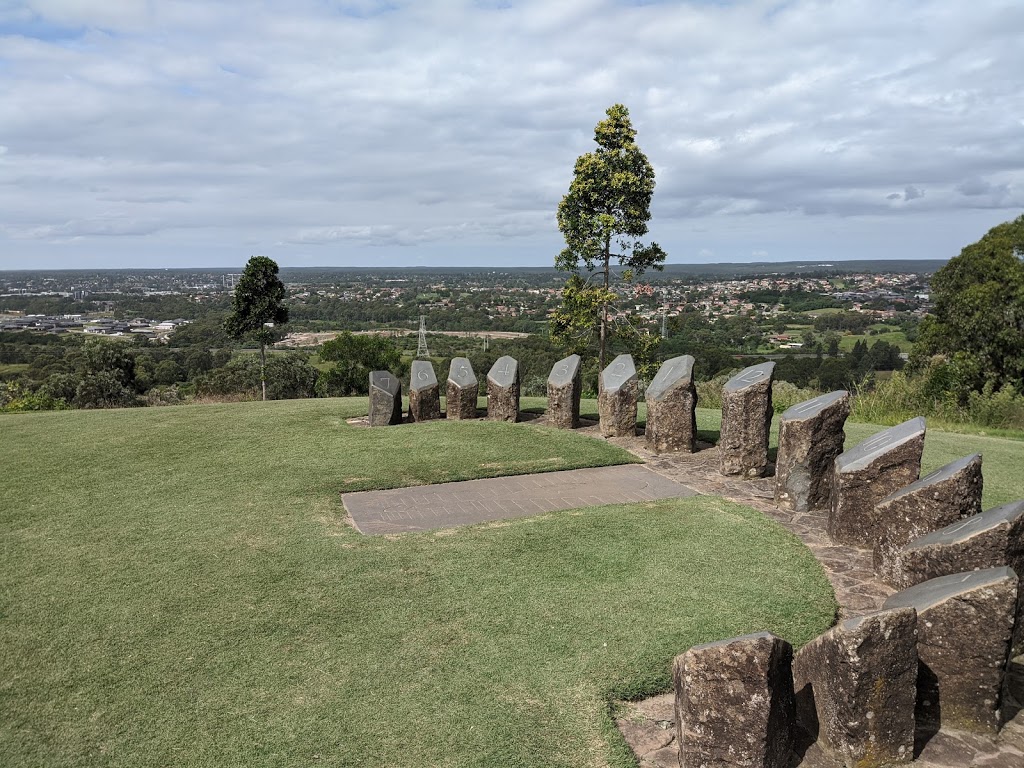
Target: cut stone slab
[616,402]
[461,390]
[933,502]
[964,629]
[866,474]
[672,407]
[385,399]
[811,436]
[503,390]
[565,385]
[746,421]
[734,703]
[424,392]
[856,686]
[992,539]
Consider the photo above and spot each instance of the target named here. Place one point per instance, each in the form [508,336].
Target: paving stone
[503,390]
[672,407]
[385,399]
[810,438]
[565,385]
[866,474]
[856,688]
[734,703]
[462,390]
[616,402]
[746,421]
[965,625]
[424,392]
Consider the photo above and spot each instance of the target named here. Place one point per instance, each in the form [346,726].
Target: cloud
[198,126]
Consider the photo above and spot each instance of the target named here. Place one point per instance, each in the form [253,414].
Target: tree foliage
[354,356]
[258,305]
[978,320]
[604,216]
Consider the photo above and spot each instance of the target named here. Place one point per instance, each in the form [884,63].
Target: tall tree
[603,216]
[258,307]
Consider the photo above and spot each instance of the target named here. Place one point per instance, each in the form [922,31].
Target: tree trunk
[263,368]
[604,309]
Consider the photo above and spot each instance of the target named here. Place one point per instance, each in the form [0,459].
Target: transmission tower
[664,322]
[421,347]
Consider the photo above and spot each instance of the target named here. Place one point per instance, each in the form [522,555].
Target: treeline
[794,300]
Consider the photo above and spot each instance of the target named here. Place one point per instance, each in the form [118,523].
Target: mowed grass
[180,589]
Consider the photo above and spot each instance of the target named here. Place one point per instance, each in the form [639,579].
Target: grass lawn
[896,338]
[179,588]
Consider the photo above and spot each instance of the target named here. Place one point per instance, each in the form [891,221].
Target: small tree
[608,205]
[257,307]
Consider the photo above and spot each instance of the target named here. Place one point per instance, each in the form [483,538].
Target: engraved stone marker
[734,702]
[461,390]
[933,502]
[964,627]
[672,407]
[385,399]
[866,474]
[565,383]
[616,402]
[810,437]
[856,688]
[424,393]
[503,390]
[989,540]
[746,421]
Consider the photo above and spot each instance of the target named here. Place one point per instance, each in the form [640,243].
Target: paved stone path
[447,505]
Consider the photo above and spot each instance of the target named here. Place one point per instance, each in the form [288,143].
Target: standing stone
[964,627]
[856,688]
[734,703]
[462,390]
[810,437]
[503,390]
[565,384]
[672,407]
[616,402]
[385,399]
[424,392]
[746,421]
[933,502]
[989,540]
[866,474]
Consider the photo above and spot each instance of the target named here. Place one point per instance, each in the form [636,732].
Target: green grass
[896,338]
[12,369]
[179,588]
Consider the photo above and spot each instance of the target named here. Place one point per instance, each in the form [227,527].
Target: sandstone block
[810,438]
[964,628]
[385,399]
[856,687]
[461,390]
[746,421]
[424,392]
[565,384]
[616,401]
[734,703]
[933,502]
[672,407]
[866,474]
[503,390]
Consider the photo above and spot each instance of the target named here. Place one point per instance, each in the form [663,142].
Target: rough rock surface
[503,390]
[866,474]
[810,438]
[672,407]
[856,688]
[462,390]
[565,385]
[948,494]
[746,421]
[616,402]
[424,392]
[734,703]
[965,623]
[385,399]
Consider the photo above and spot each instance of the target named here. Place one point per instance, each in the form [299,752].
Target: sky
[185,133]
